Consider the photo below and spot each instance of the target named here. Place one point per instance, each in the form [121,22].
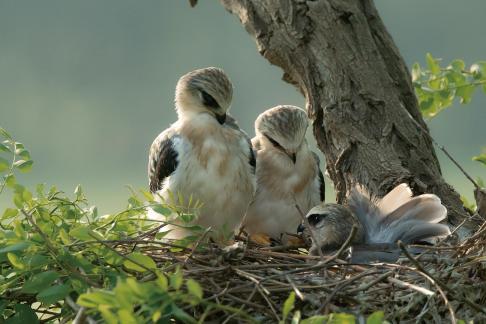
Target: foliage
[436,87]
[481,158]
[60,259]
[56,250]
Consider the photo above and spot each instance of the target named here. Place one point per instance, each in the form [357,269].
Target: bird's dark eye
[315,218]
[274,142]
[208,100]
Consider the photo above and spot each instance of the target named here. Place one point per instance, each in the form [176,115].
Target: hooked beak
[293,157]
[221,118]
[300,228]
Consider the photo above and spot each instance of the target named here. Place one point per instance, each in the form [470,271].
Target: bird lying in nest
[380,224]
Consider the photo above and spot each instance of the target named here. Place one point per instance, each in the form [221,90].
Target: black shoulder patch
[252,160]
[322,185]
[166,165]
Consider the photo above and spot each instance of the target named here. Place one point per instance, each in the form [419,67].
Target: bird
[204,156]
[380,223]
[287,174]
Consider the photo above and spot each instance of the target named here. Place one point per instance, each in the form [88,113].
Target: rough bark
[358,90]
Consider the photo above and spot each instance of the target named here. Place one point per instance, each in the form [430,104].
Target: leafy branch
[437,87]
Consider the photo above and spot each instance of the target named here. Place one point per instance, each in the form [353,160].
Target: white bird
[204,156]
[380,223]
[287,173]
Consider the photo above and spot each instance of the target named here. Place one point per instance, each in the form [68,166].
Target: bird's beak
[221,118]
[300,228]
[293,157]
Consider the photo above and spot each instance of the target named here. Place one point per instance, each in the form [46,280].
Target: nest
[446,282]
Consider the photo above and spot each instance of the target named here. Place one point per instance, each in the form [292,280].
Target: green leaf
[127,316]
[108,316]
[160,209]
[480,158]
[24,165]
[15,261]
[9,213]
[162,282]
[432,63]
[458,65]
[37,261]
[141,259]
[288,305]
[10,180]
[181,315]
[40,282]
[317,319]
[160,235]
[23,153]
[376,318]
[15,247]
[19,145]
[96,299]
[341,318]
[53,294]
[194,288]
[84,233]
[4,164]
[187,218]
[4,148]
[23,314]
[465,93]
[176,279]
[296,317]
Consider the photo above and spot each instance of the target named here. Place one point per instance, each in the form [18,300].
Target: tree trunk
[358,89]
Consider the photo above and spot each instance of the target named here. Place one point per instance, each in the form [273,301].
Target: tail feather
[427,208]
[417,231]
[395,198]
[398,216]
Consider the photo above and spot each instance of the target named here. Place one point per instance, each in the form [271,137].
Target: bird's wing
[163,159]
[322,185]
[232,123]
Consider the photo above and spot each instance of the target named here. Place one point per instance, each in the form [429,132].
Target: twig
[124,256]
[442,148]
[54,253]
[437,281]
[404,284]
[427,275]
[199,240]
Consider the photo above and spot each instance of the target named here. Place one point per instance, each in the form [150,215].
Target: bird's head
[283,128]
[206,91]
[331,225]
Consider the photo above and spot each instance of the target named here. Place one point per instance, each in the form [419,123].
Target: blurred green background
[86,85]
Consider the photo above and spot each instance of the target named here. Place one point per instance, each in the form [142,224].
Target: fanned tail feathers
[398,216]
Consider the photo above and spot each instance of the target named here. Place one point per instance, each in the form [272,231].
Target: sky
[86,85]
